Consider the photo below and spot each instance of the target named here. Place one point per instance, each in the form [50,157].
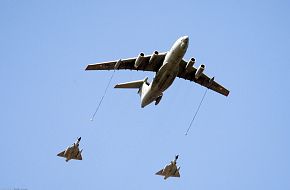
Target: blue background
[236,142]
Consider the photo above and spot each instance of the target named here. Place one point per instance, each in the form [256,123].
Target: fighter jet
[170,170]
[72,152]
[167,67]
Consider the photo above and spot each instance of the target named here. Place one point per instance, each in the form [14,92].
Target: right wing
[79,157]
[129,64]
[176,174]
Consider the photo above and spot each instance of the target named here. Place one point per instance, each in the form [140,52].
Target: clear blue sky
[239,142]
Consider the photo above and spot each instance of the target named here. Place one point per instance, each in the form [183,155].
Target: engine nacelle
[190,63]
[139,60]
[153,57]
[199,71]
[158,99]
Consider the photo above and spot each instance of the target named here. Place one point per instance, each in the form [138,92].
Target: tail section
[142,85]
[133,84]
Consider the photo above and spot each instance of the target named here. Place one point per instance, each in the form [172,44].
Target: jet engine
[158,99]
[139,60]
[199,71]
[190,63]
[153,57]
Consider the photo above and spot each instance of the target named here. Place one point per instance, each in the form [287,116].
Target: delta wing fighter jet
[72,152]
[167,67]
[170,170]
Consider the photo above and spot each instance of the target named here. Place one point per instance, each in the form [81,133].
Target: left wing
[159,173]
[121,64]
[61,154]
[189,74]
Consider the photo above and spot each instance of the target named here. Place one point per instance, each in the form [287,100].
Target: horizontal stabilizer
[132,84]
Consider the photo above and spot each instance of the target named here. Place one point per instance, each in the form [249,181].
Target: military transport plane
[167,66]
[170,170]
[72,152]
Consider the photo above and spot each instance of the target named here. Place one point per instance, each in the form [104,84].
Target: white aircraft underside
[167,66]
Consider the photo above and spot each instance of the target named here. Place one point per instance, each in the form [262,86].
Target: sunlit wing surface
[189,74]
[129,64]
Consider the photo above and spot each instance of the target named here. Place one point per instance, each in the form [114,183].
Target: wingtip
[87,68]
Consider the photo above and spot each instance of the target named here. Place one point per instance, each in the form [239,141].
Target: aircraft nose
[185,39]
[184,42]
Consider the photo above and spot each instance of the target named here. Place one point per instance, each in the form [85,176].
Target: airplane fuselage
[166,74]
[71,151]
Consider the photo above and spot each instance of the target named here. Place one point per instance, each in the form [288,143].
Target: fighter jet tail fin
[133,84]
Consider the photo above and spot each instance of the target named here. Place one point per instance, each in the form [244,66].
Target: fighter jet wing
[129,64]
[202,80]
[79,157]
[177,174]
[61,154]
[160,172]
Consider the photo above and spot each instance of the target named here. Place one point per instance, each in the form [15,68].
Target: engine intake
[190,63]
[158,99]
[139,60]
[199,71]
[153,57]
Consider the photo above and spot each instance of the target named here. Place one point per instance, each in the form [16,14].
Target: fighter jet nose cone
[184,38]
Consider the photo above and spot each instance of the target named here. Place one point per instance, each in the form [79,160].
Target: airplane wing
[203,80]
[61,154]
[160,173]
[79,157]
[128,64]
[177,174]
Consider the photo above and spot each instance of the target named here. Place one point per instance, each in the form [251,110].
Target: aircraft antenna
[196,111]
[105,92]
